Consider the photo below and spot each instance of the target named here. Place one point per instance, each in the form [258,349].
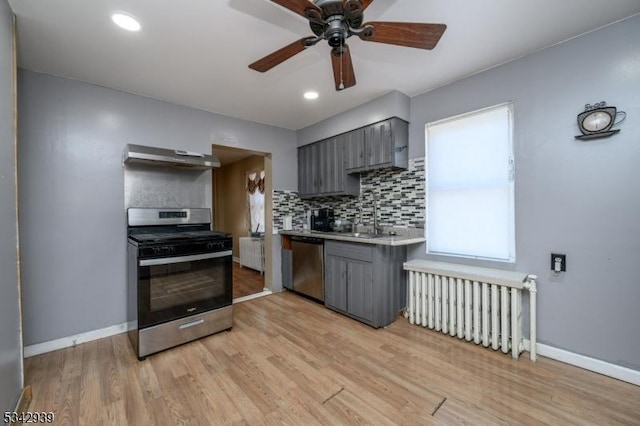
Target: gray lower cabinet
[335,282]
[287,268]
[349,287]
[365,281]
[287,263]
[360,290]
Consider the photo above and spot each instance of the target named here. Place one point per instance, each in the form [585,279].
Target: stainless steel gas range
[180,278]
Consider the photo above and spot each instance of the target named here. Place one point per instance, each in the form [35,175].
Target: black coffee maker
[322,220]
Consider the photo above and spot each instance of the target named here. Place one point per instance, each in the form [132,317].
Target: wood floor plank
[308,410]
[456,412]
[357,410]
[246,281]
[288,360]
[254,384]
[215,352]
[314,383]
[398,388]
[67,401]
[90,390]
[240,399]
[136,410]
[110,377]
[208,398]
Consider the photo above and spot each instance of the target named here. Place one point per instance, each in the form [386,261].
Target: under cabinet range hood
[148,155]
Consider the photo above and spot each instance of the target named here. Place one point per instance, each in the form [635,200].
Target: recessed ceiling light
[311,95]
[127,22]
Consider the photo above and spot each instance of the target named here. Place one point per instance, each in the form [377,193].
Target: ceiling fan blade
[409,34]
[298,6]
[342,68]
[365,3]
[279,56]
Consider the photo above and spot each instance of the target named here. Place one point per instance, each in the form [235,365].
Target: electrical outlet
[558,262]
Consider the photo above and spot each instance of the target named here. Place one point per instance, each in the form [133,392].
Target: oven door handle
[182,259]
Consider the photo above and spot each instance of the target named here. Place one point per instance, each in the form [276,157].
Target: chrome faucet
[376,229]
[358,219]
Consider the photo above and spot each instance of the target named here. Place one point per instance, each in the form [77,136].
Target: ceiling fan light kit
[337,20]
[126,22]
[311,95]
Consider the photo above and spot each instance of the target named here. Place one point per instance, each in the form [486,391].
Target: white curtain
[255,192]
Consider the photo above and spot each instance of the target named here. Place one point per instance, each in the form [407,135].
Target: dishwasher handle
[308,240]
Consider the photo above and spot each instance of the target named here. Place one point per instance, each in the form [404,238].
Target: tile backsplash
[400,194]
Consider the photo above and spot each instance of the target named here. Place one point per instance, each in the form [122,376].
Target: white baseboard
[597,366]
[67,342]
[265,292]
[236,259]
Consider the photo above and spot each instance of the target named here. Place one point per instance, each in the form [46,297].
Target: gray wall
[10,343]
[73,236]
[392,104]
[578,198]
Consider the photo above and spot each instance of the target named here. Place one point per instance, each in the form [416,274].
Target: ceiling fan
[336,21]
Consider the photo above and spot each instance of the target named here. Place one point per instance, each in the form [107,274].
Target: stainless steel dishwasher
[308,266]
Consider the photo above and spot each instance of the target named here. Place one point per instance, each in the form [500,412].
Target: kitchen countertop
[387,240]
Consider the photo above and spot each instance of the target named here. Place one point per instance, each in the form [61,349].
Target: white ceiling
[196,52]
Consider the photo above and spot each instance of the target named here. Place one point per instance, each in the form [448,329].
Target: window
[470,185]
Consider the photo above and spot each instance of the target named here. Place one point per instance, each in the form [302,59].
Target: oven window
[183,284]
[174,290]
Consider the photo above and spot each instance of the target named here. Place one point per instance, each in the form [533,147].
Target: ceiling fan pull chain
[341,86]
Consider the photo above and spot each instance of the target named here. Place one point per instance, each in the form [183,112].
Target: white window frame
[509,186]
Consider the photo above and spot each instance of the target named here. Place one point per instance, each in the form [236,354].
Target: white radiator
[480,305]
[252,253]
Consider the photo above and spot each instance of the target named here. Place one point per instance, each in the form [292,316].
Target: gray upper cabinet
[354,149]
[305,170]
[380,145]
[328,167]
[321,169]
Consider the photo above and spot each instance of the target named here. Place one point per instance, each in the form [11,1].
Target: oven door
[175,287]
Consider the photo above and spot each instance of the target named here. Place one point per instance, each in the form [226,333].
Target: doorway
[242,207]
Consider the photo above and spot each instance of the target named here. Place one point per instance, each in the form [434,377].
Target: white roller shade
[470,206]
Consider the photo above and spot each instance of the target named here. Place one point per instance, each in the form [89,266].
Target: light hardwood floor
[291,361]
